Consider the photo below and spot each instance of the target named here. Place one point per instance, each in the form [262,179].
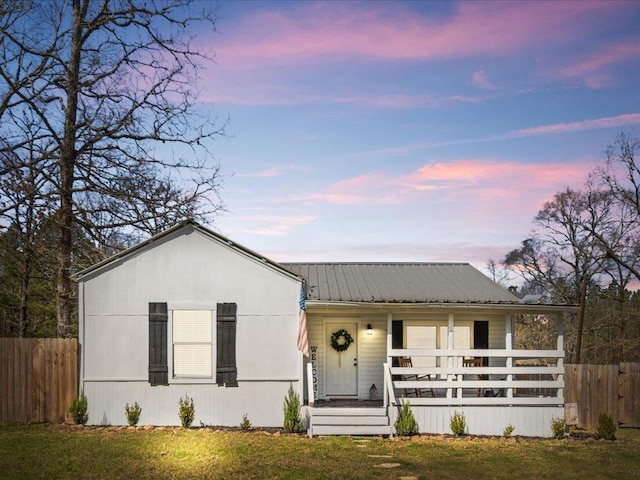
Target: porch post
[385,391]
[452,361]
[560,348]
[508,345]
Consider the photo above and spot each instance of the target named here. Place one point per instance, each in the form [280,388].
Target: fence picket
[38,379]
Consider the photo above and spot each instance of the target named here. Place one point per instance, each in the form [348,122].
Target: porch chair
[473,362]
[405,362]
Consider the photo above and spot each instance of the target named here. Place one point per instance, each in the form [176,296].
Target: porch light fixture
[369,329]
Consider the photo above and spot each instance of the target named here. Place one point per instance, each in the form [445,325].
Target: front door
[341,359]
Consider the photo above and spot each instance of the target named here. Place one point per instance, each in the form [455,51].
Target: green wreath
[337,335]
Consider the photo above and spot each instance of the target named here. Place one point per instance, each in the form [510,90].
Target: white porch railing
[502,383]
[310,394]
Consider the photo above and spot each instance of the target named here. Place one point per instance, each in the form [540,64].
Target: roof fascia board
[506,307]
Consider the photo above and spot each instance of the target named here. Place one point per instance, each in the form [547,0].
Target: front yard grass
[61,452]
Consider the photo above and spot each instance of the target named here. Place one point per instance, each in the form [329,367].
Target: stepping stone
[387,465]
[407,478]
[380,456]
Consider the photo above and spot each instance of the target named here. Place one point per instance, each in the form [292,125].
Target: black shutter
[226,370]
[158,321]
[397,338]
[481,337]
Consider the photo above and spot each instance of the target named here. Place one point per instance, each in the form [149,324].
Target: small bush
[78,409]
[606,427]
[187,411]
[133,413]
[292,419]
[406,424]
[508,430]
[458,424]
[246,423]
[558,427]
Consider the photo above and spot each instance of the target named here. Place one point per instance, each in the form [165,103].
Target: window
[192,343]
[423,337]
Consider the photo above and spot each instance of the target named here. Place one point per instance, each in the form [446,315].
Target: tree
[620,176]
[563,257]
[107,87]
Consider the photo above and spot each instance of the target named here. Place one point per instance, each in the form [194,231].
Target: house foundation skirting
[487,420]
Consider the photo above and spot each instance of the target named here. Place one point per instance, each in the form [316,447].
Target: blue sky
[412,131]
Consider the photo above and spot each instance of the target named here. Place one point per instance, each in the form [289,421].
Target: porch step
[349,421]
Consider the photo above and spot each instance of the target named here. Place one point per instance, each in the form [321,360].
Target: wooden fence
[38,379]
[613,389]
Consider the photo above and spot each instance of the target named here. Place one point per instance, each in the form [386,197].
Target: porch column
[385,391]
[508,345]
[560,348]
[451,362]
[389,337]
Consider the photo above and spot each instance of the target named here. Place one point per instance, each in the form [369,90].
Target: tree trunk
[64,305]
[583,305]
[27,262]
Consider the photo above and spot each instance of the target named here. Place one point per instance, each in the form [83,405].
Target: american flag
[303,341]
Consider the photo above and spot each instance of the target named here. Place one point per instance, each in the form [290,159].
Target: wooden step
[354,420]
[349,412]
[349,421]
[356,430]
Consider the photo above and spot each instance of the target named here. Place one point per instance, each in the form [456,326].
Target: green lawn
[59,452]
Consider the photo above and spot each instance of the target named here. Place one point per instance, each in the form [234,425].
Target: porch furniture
[406,363]
[473,362]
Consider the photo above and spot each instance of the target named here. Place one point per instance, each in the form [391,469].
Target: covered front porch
[462,359]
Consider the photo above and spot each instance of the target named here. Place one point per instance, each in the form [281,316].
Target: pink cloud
[269,225]
[618,121]
[395,32]
[274,171]
[479,182]
[596,69]
[606,122]
[479,79]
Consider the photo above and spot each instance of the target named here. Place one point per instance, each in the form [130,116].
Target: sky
[412,131]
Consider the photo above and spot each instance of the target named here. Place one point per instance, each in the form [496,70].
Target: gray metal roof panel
[399,283]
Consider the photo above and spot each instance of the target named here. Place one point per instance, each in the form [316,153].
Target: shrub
[78,409]
[133,413]
[508,430]
[558,427]
[246,423]
[187,411]
[458,424]
[292,420]
[606,427]
[406,424]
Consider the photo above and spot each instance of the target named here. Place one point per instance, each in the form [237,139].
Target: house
[189,312]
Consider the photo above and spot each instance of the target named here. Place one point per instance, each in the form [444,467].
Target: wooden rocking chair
[406,363]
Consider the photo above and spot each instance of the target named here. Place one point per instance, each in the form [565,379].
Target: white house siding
[372,355]
[489,420]
[188,270]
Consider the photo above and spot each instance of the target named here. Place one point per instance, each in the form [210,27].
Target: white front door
[341,379]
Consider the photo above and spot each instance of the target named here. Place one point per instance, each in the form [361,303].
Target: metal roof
[399,283]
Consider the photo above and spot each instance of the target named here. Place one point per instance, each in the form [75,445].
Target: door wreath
[341,340]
